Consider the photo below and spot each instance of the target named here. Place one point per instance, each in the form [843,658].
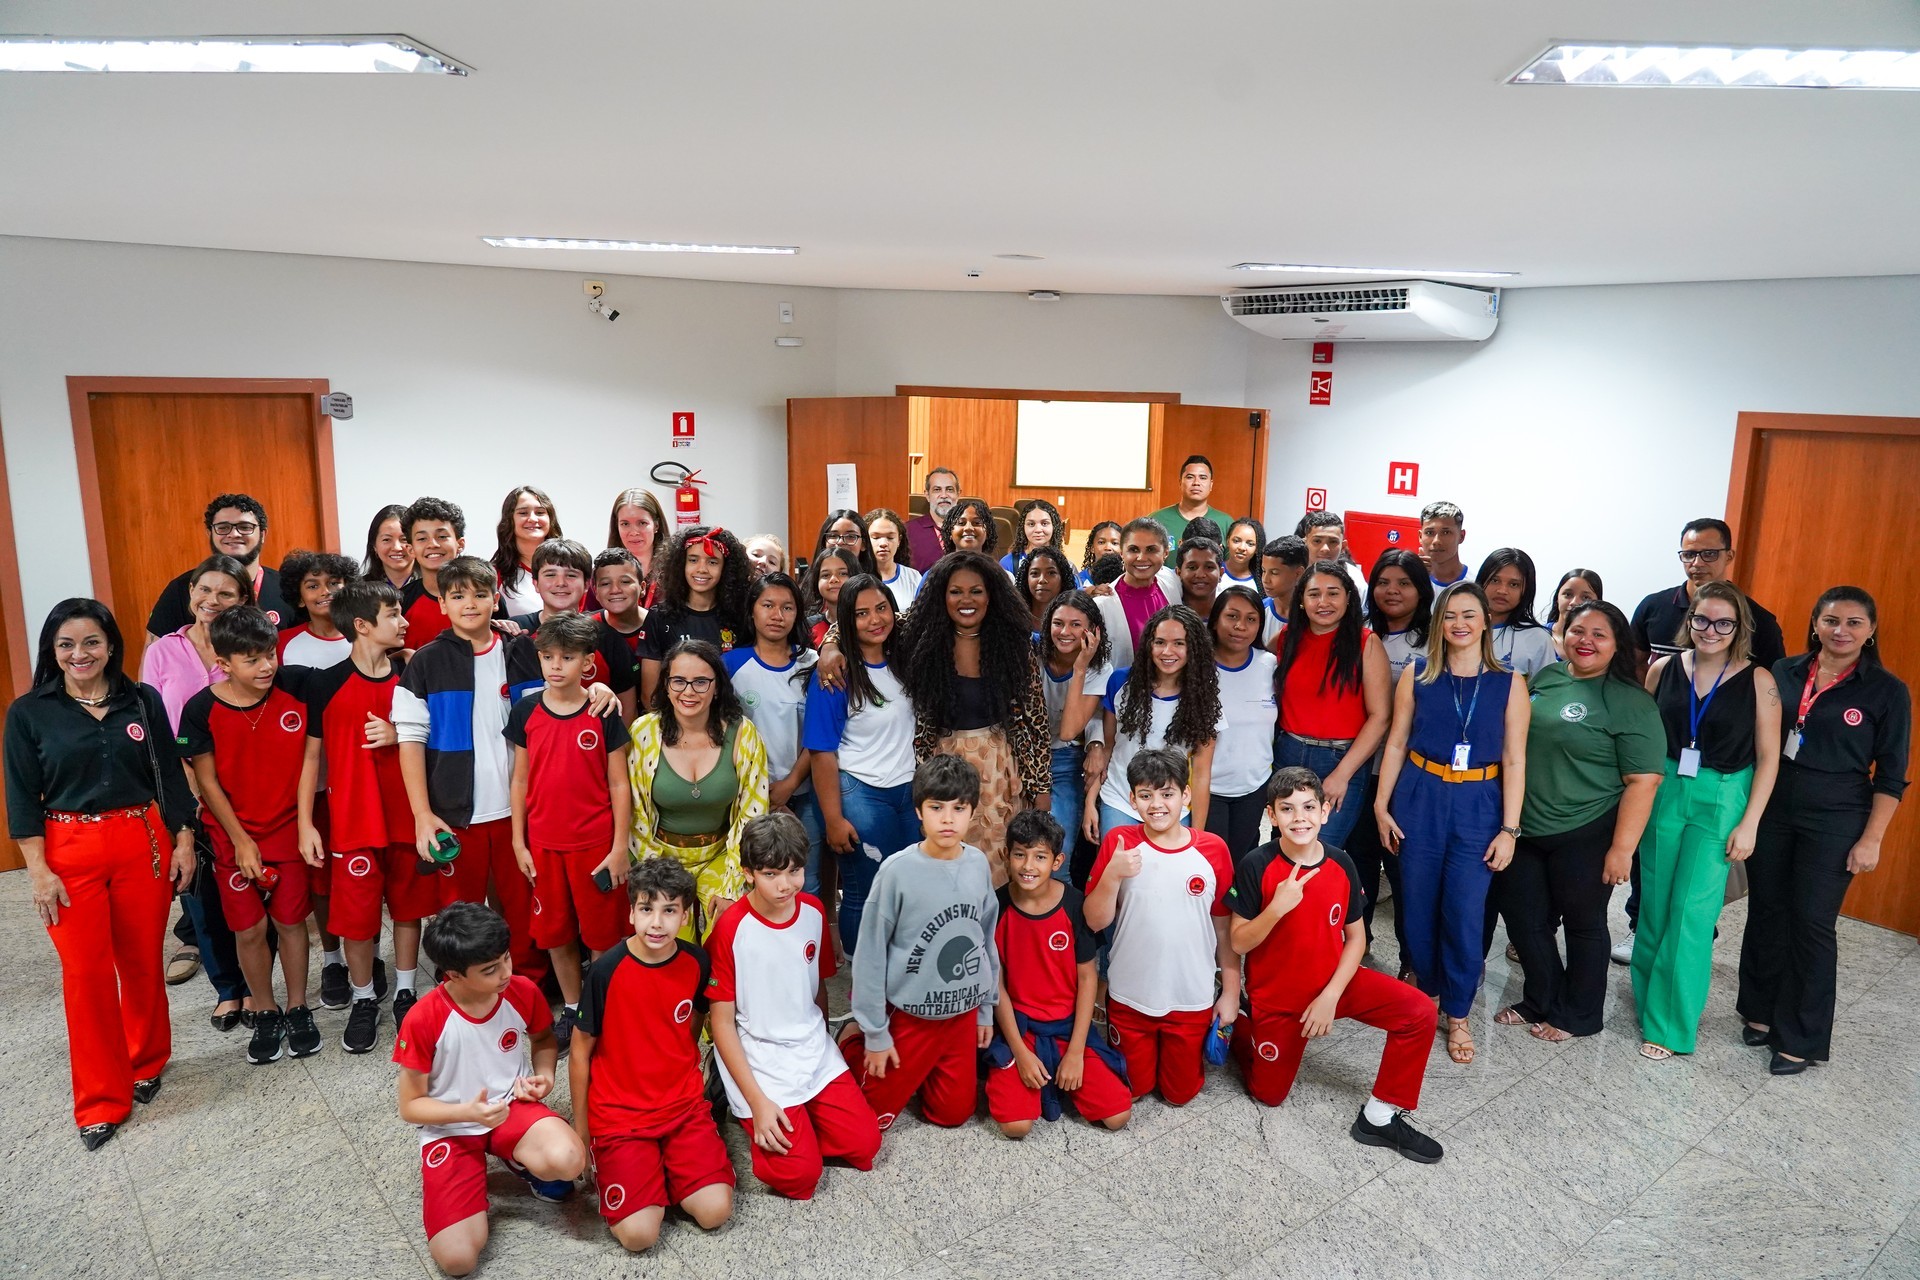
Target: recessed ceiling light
[271,54]
[1020,257]
[1723,67]
[631,246]
[1309,269]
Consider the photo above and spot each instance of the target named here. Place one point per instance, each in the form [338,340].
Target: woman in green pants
[1722,716]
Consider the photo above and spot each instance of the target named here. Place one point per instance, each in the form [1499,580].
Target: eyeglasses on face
[1709,556]
[850,538]
[1719,626]
[683,684]
[245,529]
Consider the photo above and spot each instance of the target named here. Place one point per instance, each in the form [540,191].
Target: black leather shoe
[94,1136]
[1782,1065]
[224,1022]
[145,1091]
[1754,1038]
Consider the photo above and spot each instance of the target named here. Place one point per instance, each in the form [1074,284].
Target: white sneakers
[1623,950]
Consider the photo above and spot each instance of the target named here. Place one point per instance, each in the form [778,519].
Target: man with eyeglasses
[1706,555]
[923,532]
[236,525]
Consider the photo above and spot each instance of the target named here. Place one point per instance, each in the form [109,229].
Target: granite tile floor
[1572,1161]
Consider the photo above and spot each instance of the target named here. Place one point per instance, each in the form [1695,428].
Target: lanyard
[1466,718]
[1697,706]
[1808,697]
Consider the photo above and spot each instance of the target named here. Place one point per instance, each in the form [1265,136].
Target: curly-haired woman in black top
[1169,697]
[702,579]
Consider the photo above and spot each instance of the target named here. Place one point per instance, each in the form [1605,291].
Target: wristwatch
[1512,831]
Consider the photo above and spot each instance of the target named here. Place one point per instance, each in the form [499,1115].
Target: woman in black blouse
[102,814]
[1845,726]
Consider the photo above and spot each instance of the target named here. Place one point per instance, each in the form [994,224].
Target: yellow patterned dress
[716,864]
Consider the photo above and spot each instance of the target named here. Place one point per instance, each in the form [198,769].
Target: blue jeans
[886,823]
[1289,751]
[807,808]
[1068,802]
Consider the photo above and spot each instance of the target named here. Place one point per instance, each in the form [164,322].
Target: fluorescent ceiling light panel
[1410,272]
[281,55]
[631,246]
[1723,67]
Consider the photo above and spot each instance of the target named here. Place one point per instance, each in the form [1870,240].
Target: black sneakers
[379,978]
[269,1030]
[363,1024]
[563,1029]
[403,1000]
[303,1038]
[1396,1135]
[336,989]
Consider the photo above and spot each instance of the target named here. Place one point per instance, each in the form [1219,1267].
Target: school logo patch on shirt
[683,1011]
[749,699]
[291,722]
[1853,716]
[1196,885]
[1574,712]
[137,733]
[1058,940]
[1333,916]
[812,950]
[588,739]
[509,1040]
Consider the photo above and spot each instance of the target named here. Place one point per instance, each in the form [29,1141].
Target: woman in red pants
[101,811]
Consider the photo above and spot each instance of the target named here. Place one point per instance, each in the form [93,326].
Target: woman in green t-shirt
[1596,752]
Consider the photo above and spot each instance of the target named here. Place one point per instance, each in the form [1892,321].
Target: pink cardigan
[172,665]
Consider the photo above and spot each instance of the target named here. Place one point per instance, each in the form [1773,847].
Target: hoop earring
[1872,640]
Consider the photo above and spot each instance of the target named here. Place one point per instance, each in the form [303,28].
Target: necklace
[967,635]
[100,701]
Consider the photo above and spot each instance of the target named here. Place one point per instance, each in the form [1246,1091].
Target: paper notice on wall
[843,487]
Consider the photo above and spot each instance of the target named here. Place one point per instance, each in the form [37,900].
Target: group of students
[1028,798]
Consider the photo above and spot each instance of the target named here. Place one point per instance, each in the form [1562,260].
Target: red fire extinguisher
[686,497]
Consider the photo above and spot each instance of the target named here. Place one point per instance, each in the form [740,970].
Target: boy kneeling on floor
[1297,920]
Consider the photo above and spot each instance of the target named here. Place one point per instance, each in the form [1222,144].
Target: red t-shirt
[425,618]
[257,753]
[568,805]
[646,1052]
[1308,709]
[366,798]
[1286,972]
[1041,955]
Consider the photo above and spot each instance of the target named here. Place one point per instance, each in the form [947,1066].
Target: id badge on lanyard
[1689,766]
[1807,698]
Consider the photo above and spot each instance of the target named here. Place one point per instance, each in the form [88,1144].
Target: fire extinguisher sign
[683,430]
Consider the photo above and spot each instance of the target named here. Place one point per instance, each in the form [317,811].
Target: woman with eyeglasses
[1846,724]
[699,772]
[1722,716]
[844,530]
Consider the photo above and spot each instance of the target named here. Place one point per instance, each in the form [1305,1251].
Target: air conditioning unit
[1387,311]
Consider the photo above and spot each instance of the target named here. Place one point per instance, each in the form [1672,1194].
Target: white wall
[1596,421]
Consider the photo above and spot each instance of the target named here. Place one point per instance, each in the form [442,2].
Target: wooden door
[1234,440]
[868,431]
[153,451]
[1816,501]
[16,649]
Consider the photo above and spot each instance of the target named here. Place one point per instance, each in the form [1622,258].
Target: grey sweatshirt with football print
[926,942]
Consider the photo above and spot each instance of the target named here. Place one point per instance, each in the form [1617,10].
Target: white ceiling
[1140,146]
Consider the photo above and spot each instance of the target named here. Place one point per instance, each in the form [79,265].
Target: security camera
[600,308]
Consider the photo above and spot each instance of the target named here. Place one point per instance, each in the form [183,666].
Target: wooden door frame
[1011,393]
[91,510]
[12,600]
[1746,451]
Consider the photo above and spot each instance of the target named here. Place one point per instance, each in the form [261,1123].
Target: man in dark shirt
[923,532]
[236,526]
[1706,554]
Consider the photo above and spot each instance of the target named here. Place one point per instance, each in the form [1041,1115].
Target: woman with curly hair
[527,519]
[966,659]
[703,578]
[969,527]
[892,553]
[1043,575]
[1040,526]
[1102,540]
[1335,693]
[699,772]
[1076,661]
[1169,697]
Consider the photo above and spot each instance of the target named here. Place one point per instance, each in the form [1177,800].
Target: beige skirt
[987,750]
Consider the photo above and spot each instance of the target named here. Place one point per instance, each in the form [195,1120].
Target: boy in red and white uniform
[1047,986]
[476,1059]
[1164,889]
[316,642]
[639,1100]
[1298,920]
[785,1078]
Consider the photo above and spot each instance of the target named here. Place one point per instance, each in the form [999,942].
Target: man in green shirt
[1196,487]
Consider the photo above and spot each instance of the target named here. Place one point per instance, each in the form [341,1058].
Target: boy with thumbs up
[1297,919]
[1163,888]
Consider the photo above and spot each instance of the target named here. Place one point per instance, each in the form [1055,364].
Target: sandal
[184,964]
[1513,954]
[1459,1041]
[1510,1017]
[1655,1053]
[1550,1033]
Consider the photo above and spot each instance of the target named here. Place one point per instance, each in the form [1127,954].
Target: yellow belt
[1446,774]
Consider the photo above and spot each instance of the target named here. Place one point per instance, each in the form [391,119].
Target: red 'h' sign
[1404,478]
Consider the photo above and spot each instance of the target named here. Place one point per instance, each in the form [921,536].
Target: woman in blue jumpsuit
[1451,786]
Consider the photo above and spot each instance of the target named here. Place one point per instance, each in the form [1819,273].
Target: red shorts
[1168,1052]
[636,1173]
[568,904]
[1101,1095]
[362,879]
[453,1171]
[245,902]
[834,1124]
[938,1060]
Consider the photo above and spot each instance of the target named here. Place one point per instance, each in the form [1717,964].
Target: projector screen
[1080,444]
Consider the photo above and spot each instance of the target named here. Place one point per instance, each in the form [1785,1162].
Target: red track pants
[1268,1046]
[109,939]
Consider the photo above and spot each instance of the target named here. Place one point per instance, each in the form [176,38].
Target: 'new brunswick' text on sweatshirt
[926,942]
